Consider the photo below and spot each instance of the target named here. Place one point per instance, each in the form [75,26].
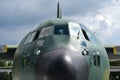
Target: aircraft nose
[61,65]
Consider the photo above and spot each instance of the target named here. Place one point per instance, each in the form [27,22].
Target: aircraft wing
[7,52]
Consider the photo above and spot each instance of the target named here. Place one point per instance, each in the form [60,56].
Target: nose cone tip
[61,69]
[62,65]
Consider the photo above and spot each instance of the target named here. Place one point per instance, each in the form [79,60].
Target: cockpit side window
[27,39]
[61,30]
[31,36]
[89,35]
[92,38]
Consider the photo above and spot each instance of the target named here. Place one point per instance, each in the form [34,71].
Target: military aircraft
[60,49]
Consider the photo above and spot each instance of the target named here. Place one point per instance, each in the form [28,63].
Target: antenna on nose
[59,14]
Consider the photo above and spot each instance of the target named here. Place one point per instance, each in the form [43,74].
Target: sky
[18,17]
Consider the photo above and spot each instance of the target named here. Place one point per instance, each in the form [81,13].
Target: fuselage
[60,49]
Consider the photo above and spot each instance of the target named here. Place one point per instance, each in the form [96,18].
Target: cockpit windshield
[75,29]
[61,30]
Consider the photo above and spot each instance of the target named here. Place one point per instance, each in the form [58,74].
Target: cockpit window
[31,36]
[61,30]
[45,32]
[75,29]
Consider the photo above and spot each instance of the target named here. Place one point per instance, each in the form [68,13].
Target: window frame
[85,34]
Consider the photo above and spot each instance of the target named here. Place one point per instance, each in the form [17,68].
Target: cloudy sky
[18,17]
